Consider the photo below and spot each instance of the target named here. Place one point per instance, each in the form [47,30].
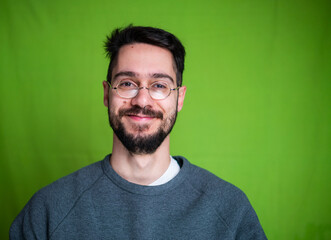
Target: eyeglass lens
[157,90]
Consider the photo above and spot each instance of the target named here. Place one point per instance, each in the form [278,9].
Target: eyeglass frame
[139,88]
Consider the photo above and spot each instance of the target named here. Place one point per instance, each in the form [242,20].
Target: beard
[141,143]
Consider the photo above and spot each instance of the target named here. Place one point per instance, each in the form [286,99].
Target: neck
[140,169]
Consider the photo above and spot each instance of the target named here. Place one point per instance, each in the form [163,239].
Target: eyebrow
[125,74]
[133,74]
[162,75]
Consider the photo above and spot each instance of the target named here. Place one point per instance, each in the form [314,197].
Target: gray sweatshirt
[96,203]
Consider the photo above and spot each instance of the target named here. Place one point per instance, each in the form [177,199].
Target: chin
[143,129]
[143,133]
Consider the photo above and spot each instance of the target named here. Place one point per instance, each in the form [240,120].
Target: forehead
[144,60]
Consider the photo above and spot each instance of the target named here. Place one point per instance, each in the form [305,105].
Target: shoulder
[67,188]
[47,208]
[230,202]
[205,182]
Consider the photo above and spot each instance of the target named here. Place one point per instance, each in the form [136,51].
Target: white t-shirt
[171,172]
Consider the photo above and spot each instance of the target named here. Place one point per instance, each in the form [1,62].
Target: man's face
[142,123]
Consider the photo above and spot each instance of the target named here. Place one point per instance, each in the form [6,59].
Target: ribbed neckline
[147,190]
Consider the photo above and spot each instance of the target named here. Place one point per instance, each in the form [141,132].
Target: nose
[143,99]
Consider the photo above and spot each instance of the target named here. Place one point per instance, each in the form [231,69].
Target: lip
[140,117]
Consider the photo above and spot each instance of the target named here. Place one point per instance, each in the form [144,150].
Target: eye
[127,84]
[159,86]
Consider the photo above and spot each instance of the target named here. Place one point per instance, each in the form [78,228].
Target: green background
[256,113]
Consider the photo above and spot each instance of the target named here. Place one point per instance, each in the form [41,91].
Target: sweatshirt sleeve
[31,223]
[50,205]
[249,227]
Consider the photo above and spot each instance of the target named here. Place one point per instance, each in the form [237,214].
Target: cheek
[169,107]
[116,104]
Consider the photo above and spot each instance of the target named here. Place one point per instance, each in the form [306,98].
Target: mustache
[135,110]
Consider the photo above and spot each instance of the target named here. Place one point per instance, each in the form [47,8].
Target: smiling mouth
[140,117]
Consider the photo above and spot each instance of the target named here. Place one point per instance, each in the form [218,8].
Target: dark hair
[154,36]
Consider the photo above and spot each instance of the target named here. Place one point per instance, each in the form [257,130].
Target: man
[140,191]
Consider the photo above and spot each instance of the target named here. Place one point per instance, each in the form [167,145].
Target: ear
[181,96]
[105,93]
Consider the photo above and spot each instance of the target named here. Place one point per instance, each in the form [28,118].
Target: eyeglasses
[157,90]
